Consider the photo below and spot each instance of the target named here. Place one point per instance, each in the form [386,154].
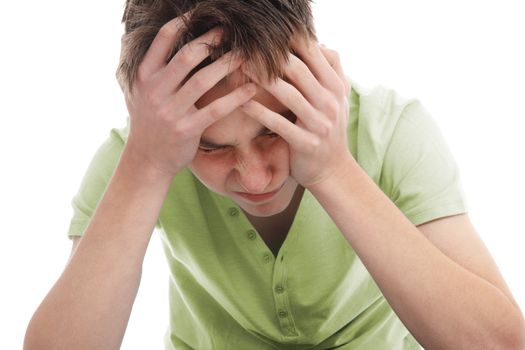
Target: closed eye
[269,134]
[210,150]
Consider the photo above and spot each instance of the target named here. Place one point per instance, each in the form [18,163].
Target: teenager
[297,209]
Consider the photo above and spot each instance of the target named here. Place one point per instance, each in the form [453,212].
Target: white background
[59,99]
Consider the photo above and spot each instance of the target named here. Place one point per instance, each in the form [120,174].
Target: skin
[165,124]
[247,157]
[102,277]
[249,162]
[169,120]
[437,256]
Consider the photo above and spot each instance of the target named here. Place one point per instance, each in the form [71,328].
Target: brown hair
[257,30]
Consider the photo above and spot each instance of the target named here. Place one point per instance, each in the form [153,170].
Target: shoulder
[374,115]
[379,100]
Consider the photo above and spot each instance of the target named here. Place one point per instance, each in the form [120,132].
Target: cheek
[280,154]
[212,171]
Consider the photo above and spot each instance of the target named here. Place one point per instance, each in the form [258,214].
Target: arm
[449,297]
[444,305]
[90,304]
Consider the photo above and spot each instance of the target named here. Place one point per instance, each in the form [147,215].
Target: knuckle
[141,76]
[165,32]
[294,68]
[311,49]
[324,128]
[272,124]
[163,114]
[215,110]
[340,88]
[214,35]
[185,56]
[312,144]
[334,55]
[246,91]
[153,98]
[288,99]
[170,29]
[179,128]
[256,113]
[331,107]
[200,82]
[293,98]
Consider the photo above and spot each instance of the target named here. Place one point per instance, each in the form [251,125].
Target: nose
[253,171]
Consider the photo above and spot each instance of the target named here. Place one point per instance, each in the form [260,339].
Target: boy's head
[237,157]
[258,30]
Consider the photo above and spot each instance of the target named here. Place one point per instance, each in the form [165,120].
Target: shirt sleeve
[419,172]
[95,181]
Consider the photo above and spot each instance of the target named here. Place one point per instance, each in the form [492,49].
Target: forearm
[90,304]
[442,304]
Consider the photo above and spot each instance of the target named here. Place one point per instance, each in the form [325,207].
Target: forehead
[237,119]
[234,80]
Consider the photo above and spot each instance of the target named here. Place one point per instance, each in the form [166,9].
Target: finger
[290,97]
[157,54]
[333,59]
[302,78]
[185,60]
[310,53]
[222,106]
[297,137]
[206,78]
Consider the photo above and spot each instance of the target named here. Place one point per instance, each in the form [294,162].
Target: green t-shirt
[228,290]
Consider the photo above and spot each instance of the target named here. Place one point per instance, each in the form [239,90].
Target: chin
[276,206]
[263,210]
[270,208]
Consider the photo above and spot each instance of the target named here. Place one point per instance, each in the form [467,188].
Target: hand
[317,93]
[165,125]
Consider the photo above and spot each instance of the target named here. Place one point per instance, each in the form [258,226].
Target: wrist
[142,166]
[333,178]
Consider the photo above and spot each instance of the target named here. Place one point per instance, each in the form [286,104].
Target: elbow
[519,340]
[31,338]
[514,342]
[505,333]
[35,337]
[30,342]
[513,337]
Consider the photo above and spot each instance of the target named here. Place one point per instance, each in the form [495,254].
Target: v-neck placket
[276,266]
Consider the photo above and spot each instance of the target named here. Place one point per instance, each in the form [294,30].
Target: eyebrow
[206,143]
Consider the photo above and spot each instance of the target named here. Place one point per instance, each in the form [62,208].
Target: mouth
[260,197]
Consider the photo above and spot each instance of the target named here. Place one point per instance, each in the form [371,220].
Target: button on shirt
[228,291]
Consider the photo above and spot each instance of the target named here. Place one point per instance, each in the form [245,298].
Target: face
[241,159]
